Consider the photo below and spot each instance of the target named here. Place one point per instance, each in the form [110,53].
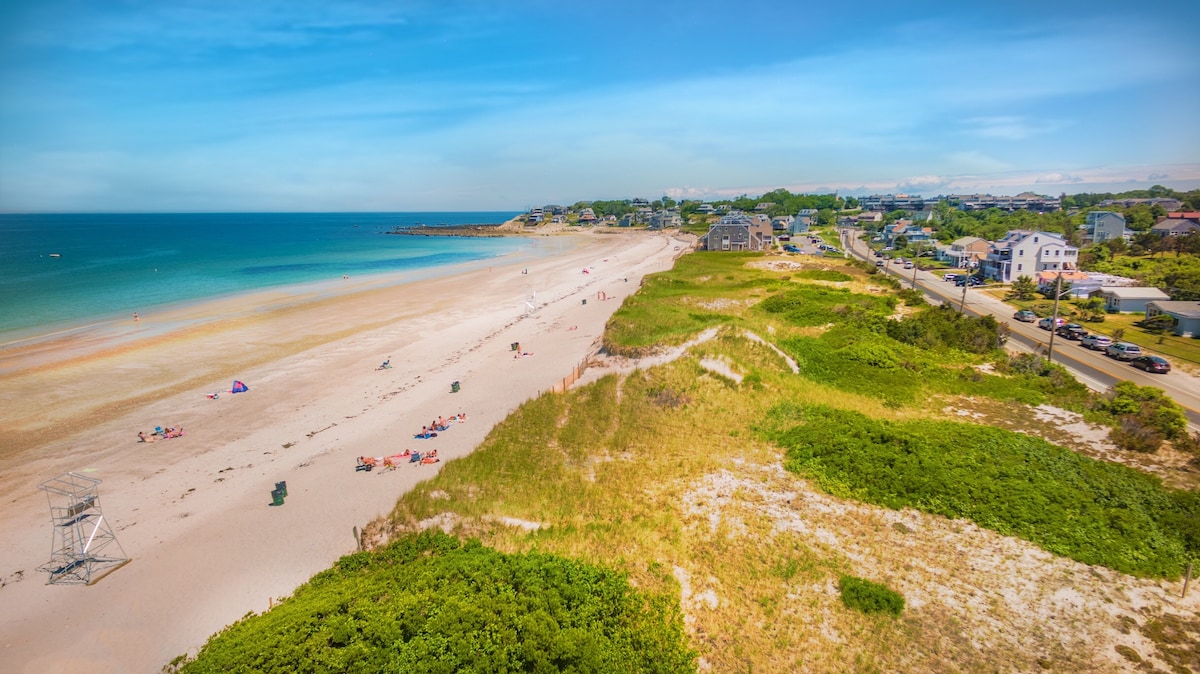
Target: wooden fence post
[1187,580]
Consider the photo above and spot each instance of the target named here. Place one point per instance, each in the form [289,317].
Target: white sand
[193,512]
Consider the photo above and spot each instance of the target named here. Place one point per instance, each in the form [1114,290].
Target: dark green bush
[1142,416]
[863,595]
[431,603]
[1092,511]
[824,275]
[943,327]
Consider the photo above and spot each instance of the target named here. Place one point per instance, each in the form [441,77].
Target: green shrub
[431,603]
[1148,406]
[1092,511]
[863,595]
[824,275]
[943,327]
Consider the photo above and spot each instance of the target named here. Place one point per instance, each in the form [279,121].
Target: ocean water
[108,266]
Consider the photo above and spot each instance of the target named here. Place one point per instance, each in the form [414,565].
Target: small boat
[55,255]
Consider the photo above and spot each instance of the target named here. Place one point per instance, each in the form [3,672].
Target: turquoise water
[111,265]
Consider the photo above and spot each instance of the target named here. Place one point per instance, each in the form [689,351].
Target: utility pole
[963,303]
[1054,320]
[916,266]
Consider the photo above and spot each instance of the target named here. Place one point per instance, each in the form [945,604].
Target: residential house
[1025,200]
[640,203]
[806,219]
[1103,226]
[782,223]
[1024,253]
[666,219]
[736,232]
[1167,203]
[1175,227]
[1129,298]
[536,215]
[627,220]
[587,216]
[610,219]
[1185,215]
[723,208]
[1186,315]
[869,216]
[966,252]
[764,206]
[1076,283]
[705,209]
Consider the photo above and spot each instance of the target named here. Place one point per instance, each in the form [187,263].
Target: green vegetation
[1144,416]
[1092,511]
[863,595]
[431,603]
[824,275]
[668,477]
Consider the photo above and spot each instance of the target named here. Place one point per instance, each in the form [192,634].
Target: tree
[852,203]
[1022,289]
[900,241]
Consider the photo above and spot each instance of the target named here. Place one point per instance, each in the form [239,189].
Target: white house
[1025,253]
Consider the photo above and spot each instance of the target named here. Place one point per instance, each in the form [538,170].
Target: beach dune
[194,512]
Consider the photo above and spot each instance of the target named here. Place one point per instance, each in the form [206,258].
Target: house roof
[967,241]
[1180,309]
[1175,225]
[1136,293]
[1067,277]
[1185,215]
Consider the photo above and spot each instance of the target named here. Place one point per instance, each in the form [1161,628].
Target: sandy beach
[193,512]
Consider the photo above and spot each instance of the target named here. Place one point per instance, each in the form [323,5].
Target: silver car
[1123,351]
[1096,342]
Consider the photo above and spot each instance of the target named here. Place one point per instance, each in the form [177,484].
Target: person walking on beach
[135,317]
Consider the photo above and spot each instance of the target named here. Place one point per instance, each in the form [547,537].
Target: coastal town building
[1104,226]
[806,219]
[1024,253]
[1186,315]
[1165,203]
[1023,201]
[1175,227]
[705,209]
[965,252]
[737,233]
[1130,299]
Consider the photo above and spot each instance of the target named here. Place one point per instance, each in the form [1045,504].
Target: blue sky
[475,105]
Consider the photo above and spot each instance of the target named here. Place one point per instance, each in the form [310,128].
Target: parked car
[969,281]
[1025,316]
[1048,322]
[791,249]
[949,277]
[1123,351]
[1151,364]
[1071,331]
[1095,342]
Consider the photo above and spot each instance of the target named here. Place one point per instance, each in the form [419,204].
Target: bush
[1148,406]
[943,327]
[431,603]
[824,275]
[1092,511]
[863,595]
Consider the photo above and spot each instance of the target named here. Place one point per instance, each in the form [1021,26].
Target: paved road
[1091,367]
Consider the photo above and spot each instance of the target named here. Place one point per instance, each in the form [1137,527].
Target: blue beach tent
[239,387]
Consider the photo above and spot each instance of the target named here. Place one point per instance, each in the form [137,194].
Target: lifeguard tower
[85,548]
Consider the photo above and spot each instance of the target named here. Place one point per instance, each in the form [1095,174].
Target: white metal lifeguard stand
[85,548]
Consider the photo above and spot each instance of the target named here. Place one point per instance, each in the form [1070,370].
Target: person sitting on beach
[386,365]
[142,437]
[462,416]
